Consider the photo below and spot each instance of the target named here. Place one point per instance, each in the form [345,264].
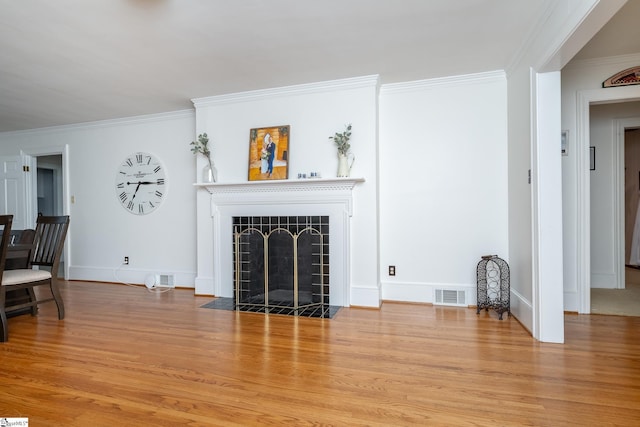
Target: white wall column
[548,288]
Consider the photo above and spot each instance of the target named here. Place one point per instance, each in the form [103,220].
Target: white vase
[344,166]
[209,173]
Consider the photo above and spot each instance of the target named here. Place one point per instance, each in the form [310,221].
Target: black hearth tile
[314,312]
[221,304]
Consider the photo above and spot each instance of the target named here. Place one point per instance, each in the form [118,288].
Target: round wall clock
[140,183]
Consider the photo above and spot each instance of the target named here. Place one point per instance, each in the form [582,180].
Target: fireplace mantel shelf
[285,185]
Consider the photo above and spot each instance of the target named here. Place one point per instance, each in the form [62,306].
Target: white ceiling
[73,61]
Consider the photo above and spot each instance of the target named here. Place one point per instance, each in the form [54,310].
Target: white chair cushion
[15,277]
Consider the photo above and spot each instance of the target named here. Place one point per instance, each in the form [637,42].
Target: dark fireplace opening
[281,264]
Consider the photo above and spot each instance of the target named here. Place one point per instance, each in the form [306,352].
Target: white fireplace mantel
[320,196]
[321,190]
[281,185]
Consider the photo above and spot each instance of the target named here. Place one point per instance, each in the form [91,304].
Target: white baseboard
[126,275]
[522,309]
[204,286]
[571,301]
[423,292]
[603,280]
[361,296]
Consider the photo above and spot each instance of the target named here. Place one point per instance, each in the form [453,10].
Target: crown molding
[531,37]
[302,89]
[148,118]
[466,79]
[624,61]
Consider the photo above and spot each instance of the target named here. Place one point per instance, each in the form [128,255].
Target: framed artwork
[592,158]
[269,153]
[630,76]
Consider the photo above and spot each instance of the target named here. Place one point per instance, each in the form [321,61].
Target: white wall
[102,232]
[582,78]
[443,183]
[443,173]
[456,213]
[314,112]
[519,196]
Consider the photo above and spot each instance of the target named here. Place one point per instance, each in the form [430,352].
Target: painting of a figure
[269,153]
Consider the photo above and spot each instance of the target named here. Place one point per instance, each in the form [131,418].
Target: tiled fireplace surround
[330,197]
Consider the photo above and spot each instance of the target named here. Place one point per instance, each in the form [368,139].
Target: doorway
[584,100]
[615,285]
[49,185]
[51,193]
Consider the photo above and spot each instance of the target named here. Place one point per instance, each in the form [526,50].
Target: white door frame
[583,182]
[62,150]
[619,257]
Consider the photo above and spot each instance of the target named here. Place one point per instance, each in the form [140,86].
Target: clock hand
[134,193]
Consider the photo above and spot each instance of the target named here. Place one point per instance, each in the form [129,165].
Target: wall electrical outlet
[126,260]
[392,270]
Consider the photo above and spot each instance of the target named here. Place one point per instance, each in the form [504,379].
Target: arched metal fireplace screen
[281,264]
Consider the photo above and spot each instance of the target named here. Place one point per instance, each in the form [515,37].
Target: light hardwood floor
[127,357]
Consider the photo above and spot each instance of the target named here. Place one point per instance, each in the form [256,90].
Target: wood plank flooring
[124,356]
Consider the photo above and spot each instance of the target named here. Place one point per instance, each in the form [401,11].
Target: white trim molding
[319,87]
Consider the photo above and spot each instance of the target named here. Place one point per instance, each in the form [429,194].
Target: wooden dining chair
[5,223]
[48,242]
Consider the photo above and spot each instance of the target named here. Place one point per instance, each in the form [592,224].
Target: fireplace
[281,264]
[325,198]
